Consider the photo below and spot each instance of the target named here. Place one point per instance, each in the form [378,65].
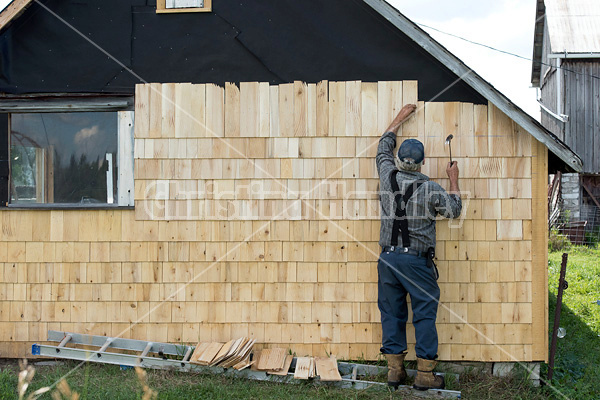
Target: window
[179,6]
[71,158]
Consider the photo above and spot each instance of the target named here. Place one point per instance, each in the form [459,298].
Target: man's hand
[452,171]
[402,116]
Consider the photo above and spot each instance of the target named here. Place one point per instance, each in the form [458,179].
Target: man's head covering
[411,151]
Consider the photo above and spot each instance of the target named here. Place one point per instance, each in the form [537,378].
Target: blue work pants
[401,274]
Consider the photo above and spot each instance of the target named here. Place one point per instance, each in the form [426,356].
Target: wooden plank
[312,110]
[232,110]
[389,103]
[209,353]
[480,121]
[353,108]
[168,110]
[410,95]
[264,123]
[274,99]
[323,108]
[523,142]
[539,249]
[434,131]
[249,109]
[303,367]
[300,109]
[184,117]
[467,130]
[142,110]
[198,111]
[223,351]
[501,133]
[200,348]
[369,111]
[286,110]
[215,115]
[245,363]
[271,359]
[452,114]
[327,369]
[238,352]
[590,98]
[155,127]
[242,354]
[286,366]
[589,192]
[337,108]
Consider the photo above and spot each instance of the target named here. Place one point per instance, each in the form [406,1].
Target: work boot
[396,371]
[426,379]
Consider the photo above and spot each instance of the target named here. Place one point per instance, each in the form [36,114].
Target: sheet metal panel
[574,25]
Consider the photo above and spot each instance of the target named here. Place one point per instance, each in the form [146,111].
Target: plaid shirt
[427,203]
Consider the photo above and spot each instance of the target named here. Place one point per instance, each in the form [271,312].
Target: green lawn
[577,371]
[577,366]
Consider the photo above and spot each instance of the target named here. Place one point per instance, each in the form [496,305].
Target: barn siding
[201,258]
[583,98]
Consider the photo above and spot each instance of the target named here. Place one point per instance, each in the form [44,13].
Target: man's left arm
[387,143]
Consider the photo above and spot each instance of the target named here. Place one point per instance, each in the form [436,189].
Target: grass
[577,365]
[95,381]
[576,376]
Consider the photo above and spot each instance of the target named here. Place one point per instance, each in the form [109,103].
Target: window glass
[64,157]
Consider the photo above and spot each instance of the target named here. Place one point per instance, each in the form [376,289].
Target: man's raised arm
[387,143]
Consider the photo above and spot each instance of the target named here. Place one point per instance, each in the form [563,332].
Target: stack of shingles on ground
[325,367]
[235,353]
[276,362]
[273,361]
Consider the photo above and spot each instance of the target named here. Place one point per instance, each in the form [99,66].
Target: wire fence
[580,228]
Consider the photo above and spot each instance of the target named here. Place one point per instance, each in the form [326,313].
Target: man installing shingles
[410,203]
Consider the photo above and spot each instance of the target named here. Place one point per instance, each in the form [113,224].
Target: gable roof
[553,143]
[437,51]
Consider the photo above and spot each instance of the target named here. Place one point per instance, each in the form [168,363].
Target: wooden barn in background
[566,69]
[197,209]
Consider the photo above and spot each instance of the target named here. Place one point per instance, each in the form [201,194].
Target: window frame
[123,107]
[161,8]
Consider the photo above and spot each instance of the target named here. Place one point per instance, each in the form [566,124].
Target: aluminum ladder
[176,357]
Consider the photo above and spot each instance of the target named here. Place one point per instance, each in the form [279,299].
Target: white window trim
[125,184]
[162,9]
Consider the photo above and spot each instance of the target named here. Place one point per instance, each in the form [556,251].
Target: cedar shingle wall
[236,232]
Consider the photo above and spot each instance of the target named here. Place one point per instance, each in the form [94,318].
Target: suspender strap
[400,220]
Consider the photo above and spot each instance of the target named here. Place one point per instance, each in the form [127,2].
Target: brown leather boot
[426,379]
[396,371]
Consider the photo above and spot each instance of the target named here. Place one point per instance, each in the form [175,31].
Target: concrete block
[505,369]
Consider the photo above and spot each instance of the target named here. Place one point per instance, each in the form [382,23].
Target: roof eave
[13,10]
[538,43]
[477,83]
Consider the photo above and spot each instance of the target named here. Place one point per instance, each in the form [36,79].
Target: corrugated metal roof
[574,25]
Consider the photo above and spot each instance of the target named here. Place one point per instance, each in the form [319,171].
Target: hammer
[448,142]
